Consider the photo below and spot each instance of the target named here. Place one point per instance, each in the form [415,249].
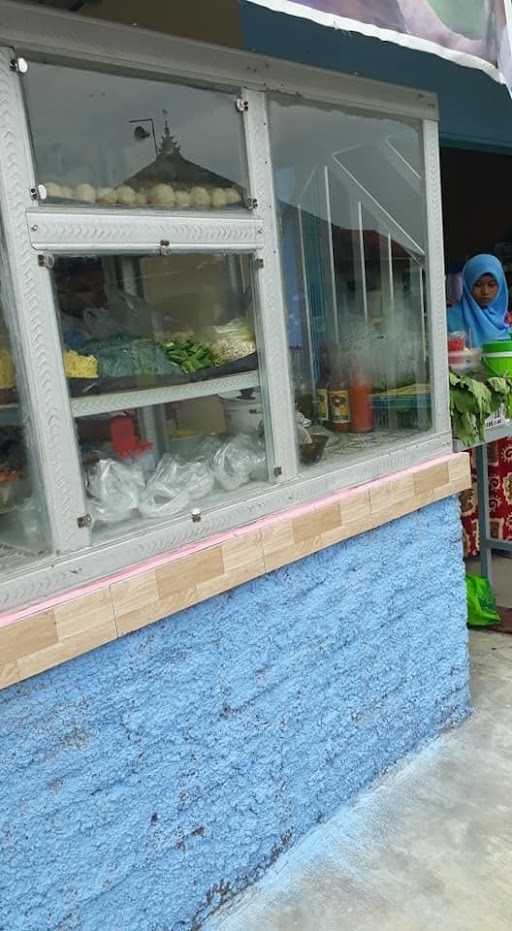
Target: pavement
[427,849]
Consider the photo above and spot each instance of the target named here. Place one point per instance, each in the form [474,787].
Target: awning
[473,33]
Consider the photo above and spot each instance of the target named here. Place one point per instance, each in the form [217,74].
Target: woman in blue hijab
[482,309]
[482,313]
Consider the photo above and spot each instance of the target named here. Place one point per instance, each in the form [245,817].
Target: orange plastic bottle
[361,407]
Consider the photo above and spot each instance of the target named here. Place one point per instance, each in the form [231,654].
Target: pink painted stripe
[166,558]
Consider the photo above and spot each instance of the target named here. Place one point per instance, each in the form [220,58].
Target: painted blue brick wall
[144,783]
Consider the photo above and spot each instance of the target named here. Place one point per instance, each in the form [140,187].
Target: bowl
[497,357]
[310,453]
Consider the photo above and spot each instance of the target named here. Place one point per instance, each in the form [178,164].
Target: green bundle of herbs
[473,401]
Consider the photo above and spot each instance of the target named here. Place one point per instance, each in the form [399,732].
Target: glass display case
[116,141]
[351,196]
[23,523]
[160,355]
[226,300]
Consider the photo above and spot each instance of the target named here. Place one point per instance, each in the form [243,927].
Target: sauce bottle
[339,407]
[361,406]
[322,404]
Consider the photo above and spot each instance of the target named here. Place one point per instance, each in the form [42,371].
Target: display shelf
[355,444]
[146,397]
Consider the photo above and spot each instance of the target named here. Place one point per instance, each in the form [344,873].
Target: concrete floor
[429,849]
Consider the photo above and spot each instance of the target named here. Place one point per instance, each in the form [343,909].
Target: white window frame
[33,230]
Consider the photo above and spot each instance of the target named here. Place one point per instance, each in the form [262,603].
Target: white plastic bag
[198,479]
[174,486]
[164,495]
[115,489]
[230,341]
[238,461]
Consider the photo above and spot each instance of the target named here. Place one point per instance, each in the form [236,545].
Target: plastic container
[313,452]
[456,341]
[243,415]
[466,360]
[497,357]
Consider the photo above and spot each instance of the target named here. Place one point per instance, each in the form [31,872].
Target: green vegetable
[189,355]
[119,357]
[473,401]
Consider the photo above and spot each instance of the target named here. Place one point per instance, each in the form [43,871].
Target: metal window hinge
[46,260]
[38,192]
[259,263]
[241,104]
[20,65]
[84,521]
[278,471]
[251,203]
[165,247]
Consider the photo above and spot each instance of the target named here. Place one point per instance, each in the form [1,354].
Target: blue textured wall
[144,783]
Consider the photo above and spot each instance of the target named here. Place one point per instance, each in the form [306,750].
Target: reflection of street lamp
[140,133]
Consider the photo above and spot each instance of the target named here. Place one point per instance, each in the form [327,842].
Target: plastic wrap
[174,486]
[239,461]
[126,315]
[206,447]
[29,518]
[199,480]
[115,489]
[302,427]
[230,341]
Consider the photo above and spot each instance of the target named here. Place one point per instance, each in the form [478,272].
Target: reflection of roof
[170,167]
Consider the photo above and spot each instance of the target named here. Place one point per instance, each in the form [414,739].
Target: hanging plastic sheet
[474,33]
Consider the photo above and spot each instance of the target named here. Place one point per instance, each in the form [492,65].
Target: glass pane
[350,193]
[114,141]
[23,524]
[161,358]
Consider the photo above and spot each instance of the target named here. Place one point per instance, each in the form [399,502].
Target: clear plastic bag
[29,518]
[164,495]
[175,486]
[259,469]
[126,315]
[230,341]
[199,480]
[115,489]
[238,461]
[302,427]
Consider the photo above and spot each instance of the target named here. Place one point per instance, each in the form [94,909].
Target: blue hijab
[481,324]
